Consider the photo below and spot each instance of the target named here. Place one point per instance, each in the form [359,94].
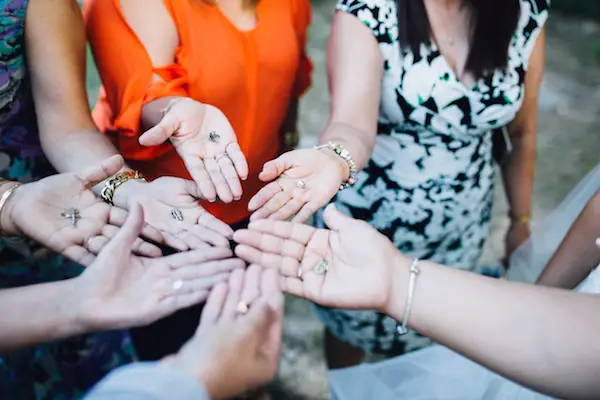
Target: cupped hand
[301,182]
[233,352]
[161,199]
[120,290]
[359,261]
[62,213]
[215,165]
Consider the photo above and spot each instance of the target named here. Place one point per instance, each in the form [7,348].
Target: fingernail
[236,198]
[598,242]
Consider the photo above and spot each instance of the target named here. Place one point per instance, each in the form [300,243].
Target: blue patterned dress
[63,370]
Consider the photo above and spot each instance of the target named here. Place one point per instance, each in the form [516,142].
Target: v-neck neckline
[231,24]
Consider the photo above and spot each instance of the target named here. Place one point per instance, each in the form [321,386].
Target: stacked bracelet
[414,271]
[345,155]
[117,180]
[5,196]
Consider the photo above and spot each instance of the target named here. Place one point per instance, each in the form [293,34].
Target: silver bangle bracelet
[414,271]
[345,155]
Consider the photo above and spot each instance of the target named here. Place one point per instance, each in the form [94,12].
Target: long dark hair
[494,23]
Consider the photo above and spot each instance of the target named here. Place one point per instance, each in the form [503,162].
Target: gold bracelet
[4,199]
[108,192]
[520,219]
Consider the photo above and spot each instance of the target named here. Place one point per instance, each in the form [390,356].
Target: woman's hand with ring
[301,182]
[234,352]
[63,214]
[206,142]
[349,265]
[121,290]
[171,206]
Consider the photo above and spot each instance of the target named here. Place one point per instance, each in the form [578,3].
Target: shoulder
[534,14]
[378,15]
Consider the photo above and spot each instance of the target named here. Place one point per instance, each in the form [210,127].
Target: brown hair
[494,23]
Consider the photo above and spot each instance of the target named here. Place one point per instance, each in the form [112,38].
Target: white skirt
[439,373]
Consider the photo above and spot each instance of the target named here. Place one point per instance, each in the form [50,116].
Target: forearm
[577,255]
[154,111]
[522,332]
[37,314]
[518,174]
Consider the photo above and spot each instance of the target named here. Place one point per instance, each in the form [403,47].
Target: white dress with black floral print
[429,183]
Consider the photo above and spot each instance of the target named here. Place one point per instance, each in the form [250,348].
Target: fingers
[211,222]
[273,205]
[139,247]
[80,255]
[236,281]
[289,209]
[251,288]
[207,269]
[131,229]
[239,160]
[293,286]
[161,132]
[230,175]
[270,243]
[274,168]
[218,180]
[197,256]
[191,240]
[335,220]
[214,306]
[269,282]
[118,216]
[176,302]
[307,211]
[286,266]
[199,174]
[105,169]
[284,230]
[263,195]
[174,241]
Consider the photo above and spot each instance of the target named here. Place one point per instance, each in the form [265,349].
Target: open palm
[121,289]
[42,210]
[301,182]
[215,165]
[359,259]
[198,228]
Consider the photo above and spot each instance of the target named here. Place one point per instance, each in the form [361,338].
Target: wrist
[125,194]
[73,310]
[340,164]
[8,225]
[398,286]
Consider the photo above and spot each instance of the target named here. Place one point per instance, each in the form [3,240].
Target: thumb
[161,132]
[272,169]
[105,169]
[131,229]
[334,219]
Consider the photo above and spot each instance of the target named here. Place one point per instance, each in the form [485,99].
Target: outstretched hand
[301,182]
[205,140]
[347,266]
[62,213]
[121,290]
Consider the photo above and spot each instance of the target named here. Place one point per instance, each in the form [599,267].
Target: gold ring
[242,308]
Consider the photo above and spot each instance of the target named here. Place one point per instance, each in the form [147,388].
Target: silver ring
[178,284]
[89,242]
[301,184]
[321,267]
[73,214]
[299,274]
[242,308]
[220,156]
[176,214]
[213,136]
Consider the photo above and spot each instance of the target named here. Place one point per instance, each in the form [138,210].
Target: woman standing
[418,87]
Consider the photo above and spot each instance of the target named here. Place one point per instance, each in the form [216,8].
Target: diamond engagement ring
[301,184]
[178,284]
[321,267]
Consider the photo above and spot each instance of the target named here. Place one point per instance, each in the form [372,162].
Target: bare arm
[49,311]
[56,52]
[576,256]
[355,69]
[518,172]
[520,331]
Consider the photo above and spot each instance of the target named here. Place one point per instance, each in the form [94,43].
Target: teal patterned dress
[63,370]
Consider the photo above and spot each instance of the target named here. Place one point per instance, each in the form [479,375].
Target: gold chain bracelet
[117,180]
